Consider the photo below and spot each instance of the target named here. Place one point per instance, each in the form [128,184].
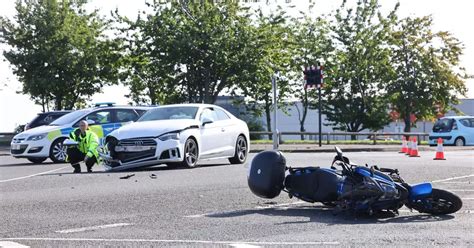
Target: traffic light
[313,76]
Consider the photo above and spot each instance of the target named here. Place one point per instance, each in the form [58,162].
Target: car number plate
[132,148]
[15,147]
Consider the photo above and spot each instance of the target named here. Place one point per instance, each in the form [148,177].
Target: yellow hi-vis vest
[87,144]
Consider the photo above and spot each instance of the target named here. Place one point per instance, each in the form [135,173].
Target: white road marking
[309,243]
[467,199]
[461,190]
[465,182]
[11,244]
[452,178]
[92,228]
[19,178]
[244,246]
[280,205]
[241,210]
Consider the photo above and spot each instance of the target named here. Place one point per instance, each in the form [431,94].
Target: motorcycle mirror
[338,151]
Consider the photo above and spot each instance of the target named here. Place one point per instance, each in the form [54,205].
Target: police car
[44,142]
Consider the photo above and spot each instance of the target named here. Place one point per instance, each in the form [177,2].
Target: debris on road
[153,176]
[127,176]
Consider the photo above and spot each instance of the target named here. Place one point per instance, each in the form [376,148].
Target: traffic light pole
[275,135]
[319,113]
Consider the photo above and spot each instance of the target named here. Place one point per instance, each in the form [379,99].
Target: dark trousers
[75,156]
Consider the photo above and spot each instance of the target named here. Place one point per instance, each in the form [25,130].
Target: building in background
[290,122]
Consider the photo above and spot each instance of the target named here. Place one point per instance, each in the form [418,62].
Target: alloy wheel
[191,153]
[242,148]
[59,151]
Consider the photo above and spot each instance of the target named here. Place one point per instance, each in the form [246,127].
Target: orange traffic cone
[439,150]
[404,145]
[414,148]
[409,147]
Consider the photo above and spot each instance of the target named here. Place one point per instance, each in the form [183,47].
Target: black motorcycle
[347,186]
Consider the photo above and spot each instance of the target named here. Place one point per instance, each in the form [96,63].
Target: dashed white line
[92,228]
[242,210]
[19,178]
[244,246]
[11,244]
[452,178]
[309,243]
[280,205]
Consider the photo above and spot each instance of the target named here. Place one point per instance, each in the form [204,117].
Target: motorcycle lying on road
[359,189]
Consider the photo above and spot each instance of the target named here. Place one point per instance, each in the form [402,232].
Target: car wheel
[459,142]
[36,160]
[57,152]
[241,151]
[190,154]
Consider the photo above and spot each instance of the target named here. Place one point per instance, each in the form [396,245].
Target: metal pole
[319,95]
[275,136]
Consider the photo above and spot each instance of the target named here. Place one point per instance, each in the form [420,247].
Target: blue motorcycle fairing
[420,190]
[377,175]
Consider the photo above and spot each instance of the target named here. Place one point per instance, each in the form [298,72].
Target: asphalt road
[211,206]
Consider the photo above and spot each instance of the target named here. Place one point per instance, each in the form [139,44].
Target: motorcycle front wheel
[440,202]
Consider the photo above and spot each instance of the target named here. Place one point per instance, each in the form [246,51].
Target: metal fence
[327,137]
[5,138]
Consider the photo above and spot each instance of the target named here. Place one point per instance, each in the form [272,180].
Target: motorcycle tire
[441,202]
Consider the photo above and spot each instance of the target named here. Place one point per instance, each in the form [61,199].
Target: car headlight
[37,137]
[169,136]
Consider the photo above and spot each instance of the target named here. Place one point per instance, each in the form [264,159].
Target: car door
[211,134]
[467,130]
[229,132]
[124,117]
[101,123]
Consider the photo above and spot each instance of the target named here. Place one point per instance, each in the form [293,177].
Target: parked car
[454,130]
[46,118]
[180,134]
[38,144]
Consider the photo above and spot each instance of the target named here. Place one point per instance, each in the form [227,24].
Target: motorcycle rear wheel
[441,202]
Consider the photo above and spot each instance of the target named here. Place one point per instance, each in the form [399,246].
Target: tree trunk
[269,119]
[58,103]
[302,129]
[43,103]
[407,121]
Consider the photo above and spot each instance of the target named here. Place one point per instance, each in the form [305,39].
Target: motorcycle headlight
[169,136]
[37,137]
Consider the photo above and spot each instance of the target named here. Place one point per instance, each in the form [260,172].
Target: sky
[454,16]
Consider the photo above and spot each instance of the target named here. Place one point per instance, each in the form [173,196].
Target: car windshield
[443,125]
[170,113]
[69,118]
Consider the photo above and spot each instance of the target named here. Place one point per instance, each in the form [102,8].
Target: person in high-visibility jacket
[86,150]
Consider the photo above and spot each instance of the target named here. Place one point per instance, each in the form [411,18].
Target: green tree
[59,52]
[355,97]
[187,51]
[427,72]
[269,53]
[148,65]
[312,44]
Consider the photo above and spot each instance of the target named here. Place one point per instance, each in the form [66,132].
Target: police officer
[86,150]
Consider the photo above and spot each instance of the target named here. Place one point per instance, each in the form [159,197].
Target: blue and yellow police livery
[44,142]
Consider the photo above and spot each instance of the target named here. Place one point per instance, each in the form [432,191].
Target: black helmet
[267,173]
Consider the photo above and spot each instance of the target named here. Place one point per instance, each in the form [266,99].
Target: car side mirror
[206,121]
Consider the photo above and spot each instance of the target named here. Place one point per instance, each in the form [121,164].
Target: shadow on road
[327,215]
